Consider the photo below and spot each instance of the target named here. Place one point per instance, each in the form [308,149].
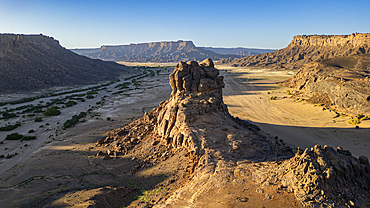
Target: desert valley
[170,124]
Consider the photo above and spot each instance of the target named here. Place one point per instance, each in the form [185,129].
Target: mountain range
[165,52]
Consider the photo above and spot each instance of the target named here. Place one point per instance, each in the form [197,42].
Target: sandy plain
[248,94]
[56,166]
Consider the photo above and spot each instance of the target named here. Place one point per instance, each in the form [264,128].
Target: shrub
[14,136]
[273,98]
[30,115]
[27,138]
[9,127]
[89,96]
[53,111]
[31,131]
[71,103]
[109,118]
[38,119]
[9,115]
[364,118]
[38,111]
[75,119]
[92,93]
[354,121]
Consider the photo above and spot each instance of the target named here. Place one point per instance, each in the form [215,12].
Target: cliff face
[29,62]
[307,48]
[156,52]
[355,40]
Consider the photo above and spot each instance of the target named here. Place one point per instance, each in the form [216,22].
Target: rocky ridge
[30,62]
[224,153]
[155,52]
[340,83]
[306,48]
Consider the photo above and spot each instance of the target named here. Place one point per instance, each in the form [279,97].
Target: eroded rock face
[341,83]
[320,177]
[226,154]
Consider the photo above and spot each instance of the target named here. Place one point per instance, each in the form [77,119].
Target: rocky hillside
[306,48]
[155,52]
[341,83]
[215,160]
[30,62]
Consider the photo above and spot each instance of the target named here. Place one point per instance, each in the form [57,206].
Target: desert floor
[248,95]
[60,163]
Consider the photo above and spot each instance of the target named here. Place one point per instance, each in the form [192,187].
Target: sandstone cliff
[306,48]
[219,155]
[29,62]
[156,52]
[340,83]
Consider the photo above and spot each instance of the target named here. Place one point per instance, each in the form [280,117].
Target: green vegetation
[75,119]
[145,197]
[358,119]
[9,127]
[354,121]
[92,93]
[273,98]
[7,115]
[27,138]
[90,97]
[25,100]
[53,111]
[362,117]
[38,119]
[71,103]
[123,85]
[321,104]
[14,136]
[31,131]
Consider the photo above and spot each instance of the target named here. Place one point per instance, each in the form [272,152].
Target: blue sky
[232,23]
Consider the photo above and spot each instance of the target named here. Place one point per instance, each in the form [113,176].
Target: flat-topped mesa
[355,39]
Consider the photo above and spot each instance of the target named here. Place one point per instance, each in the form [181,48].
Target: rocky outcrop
[319,177]
[156,52]
[340,83]
[306,48]
[225,154]
[29,62]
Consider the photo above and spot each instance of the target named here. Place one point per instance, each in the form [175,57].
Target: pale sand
[296,122]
